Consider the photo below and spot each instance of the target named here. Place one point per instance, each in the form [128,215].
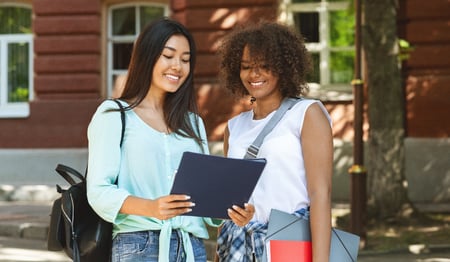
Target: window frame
[111,39]
[323,90]
[15,109]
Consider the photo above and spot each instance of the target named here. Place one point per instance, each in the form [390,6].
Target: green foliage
[19,94]
[342,28]
[18,72]
[341,66]
[15,20]
[405,49]
[342,34]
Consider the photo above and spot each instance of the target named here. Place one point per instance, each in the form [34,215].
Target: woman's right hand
[241,216]
[170,206]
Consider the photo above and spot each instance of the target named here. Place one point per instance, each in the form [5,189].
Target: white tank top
[283,182]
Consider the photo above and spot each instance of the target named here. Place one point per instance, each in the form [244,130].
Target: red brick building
[73,50]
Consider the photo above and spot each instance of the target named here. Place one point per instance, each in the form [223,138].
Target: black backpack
[74,225]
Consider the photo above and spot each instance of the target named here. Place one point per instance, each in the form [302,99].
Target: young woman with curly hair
[269,62]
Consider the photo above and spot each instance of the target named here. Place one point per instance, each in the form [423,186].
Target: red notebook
[289,250]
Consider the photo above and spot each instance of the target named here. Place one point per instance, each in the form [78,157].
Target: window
[125,23]
[328,28]
[16,60]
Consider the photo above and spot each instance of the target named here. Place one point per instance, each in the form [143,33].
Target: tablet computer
[216,183]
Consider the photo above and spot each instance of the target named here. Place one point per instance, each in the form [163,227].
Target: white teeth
[173,77]
[256,83]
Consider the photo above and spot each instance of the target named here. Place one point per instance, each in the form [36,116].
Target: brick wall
[426,26]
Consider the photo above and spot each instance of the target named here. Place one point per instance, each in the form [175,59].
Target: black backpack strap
[67,173]
[122,116]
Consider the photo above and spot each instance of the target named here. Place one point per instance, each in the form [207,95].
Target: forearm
[136,206]
[162,208]
[320,217]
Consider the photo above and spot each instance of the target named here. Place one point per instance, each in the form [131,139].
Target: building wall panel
[178,5]
[428,105]
[68,83]
[223,18]
[67,72]
[52,124]
[208,41]
[65,25]
[66,7]
[419,9]
[438,31]
[67,44]
[426,26]
[68,63]
[209,65]
[429,56]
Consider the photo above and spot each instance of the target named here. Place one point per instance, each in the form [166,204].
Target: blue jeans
[144,246]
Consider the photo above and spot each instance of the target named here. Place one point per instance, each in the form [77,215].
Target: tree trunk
[387,191]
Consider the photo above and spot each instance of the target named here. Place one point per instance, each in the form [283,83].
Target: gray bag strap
[253,149]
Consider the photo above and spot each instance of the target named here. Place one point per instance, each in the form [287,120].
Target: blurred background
[380,67]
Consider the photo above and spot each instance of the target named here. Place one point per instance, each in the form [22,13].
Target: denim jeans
[144,246]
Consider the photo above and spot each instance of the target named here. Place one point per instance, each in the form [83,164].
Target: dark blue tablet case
[216,183]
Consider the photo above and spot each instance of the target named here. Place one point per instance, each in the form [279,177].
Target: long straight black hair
[146,51]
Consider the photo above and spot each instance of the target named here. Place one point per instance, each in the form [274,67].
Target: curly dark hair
[280,47]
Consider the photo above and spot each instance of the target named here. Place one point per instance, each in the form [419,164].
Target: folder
[289,250]
[216,183]
[284,226]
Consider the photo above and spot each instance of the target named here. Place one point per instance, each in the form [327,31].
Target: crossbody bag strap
[253,149]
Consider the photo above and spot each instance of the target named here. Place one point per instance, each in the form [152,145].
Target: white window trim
[324,90]
[123,39]
[16,109]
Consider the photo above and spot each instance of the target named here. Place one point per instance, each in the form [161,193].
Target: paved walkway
[26,223]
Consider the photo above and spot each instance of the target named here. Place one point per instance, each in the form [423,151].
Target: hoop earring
[252,100]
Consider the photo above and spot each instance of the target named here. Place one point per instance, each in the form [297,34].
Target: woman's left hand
[241,216]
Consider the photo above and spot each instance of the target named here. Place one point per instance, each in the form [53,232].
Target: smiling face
[257,78]
[173,66]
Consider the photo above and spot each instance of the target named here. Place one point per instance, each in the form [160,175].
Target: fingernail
[234,206]
[229,210]
[189,209]
[192,204]
[188,197]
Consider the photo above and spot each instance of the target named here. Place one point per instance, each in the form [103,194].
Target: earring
[252,100]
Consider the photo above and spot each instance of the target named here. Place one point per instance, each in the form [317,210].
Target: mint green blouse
[145,166]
